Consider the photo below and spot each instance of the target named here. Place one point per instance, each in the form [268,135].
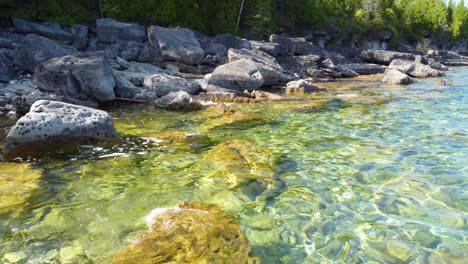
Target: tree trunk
[240,15]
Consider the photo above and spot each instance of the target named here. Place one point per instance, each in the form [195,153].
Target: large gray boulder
[50,123]
[35,49]
[176,44]
[414,69]
[272,49]
[54,32]
[295,46]
[300,66]
[86,76]
[178,101]
[80,36]
[6,65]
[112,31]
[384,57]
[163,84]
[240,75]
[396,77]
[271,71]
[231,42]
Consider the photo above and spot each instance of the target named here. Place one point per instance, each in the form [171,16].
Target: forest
[409,20]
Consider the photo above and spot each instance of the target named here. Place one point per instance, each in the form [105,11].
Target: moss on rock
[193,232]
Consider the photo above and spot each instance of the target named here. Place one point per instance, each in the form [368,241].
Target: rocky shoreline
[85,67]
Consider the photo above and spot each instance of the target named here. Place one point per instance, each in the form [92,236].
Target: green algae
[361,173]
[18,182]
[191,233]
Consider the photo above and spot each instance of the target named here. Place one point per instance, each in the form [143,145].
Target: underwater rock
[221,115]
[193,232]
[239,166]
[393,251]
[17,183]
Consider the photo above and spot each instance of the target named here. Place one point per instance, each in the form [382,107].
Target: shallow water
[363,173]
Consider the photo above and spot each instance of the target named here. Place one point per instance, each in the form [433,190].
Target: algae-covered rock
[242,168]
[221,115]
[190,233]
[17,183]
[393,251]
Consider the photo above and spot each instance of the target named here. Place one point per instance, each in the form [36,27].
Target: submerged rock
[51,123]
[84,76]
[193,232]
[396,77]
[17,184]
[35,49]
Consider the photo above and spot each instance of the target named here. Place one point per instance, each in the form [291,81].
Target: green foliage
[408,19]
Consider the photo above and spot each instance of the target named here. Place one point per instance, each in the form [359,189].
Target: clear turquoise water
[379,175]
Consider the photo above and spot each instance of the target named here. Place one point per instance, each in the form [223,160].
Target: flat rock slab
[51,31]
[414,69]
[384,56]
[51,123]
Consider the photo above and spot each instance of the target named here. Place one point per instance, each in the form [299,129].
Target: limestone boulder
[35,49]
[85,76]
[52,123]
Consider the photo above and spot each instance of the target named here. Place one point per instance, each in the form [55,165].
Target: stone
[231,42]
[301,86]
[46,30]
[6,43]
[299,65]
[178,101]
[414,69]
[80,36]
[163,84]
[86,76]
[365,68]
[35,49]
[130,54]
[272,49]
[18,182]
[6,65]
[396,77]
[176,44]
[192,232]
[123,87]
[262,96]
[295,46]
[384,57]
[225,96]
[112,31]
[346,72]
[150,54]
[437,65]
[15,257]
[52,123]
[240,75]
[269,67]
